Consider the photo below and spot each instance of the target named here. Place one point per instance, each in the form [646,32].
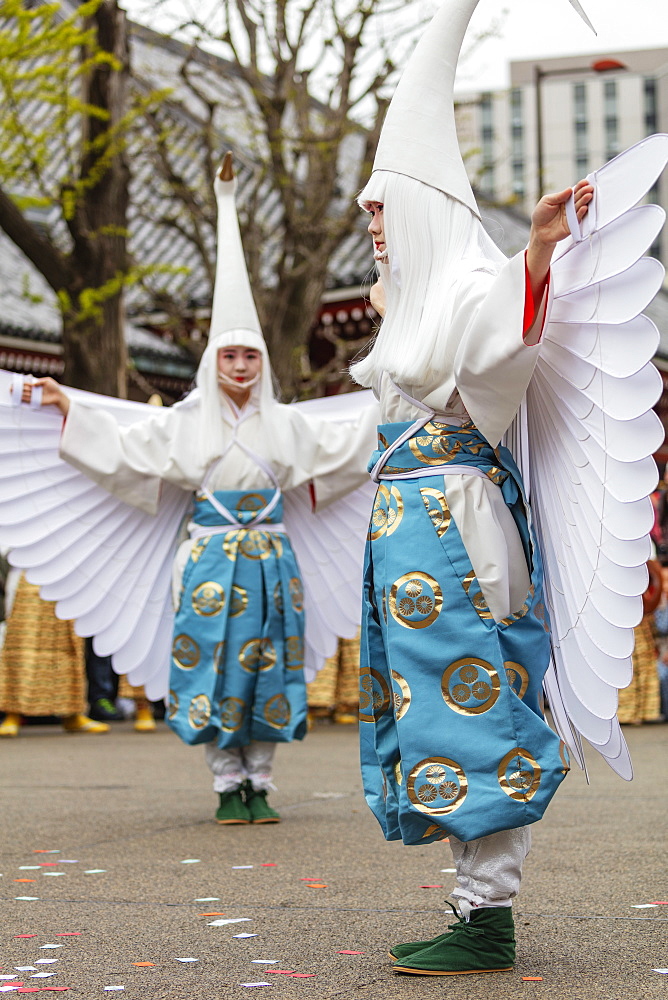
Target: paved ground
[138,806]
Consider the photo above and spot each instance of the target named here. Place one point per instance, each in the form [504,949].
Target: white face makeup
[239,369]
[376,230]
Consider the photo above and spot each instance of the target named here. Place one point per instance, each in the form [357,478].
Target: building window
[581,166]
[580,102]
[610,98]
[581,138]
[516,107]
[650,105]
[518,178]
[517,142]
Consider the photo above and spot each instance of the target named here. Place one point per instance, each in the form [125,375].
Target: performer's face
[375,227]
[240,365]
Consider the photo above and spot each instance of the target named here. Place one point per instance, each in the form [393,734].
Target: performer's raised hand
[52,394]
[548,219]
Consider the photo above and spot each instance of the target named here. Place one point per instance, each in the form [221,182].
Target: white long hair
[433,240]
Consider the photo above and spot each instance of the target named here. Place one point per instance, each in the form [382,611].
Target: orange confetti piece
[268,864]
[25,880]
[310,879]
[316,885]
[210,914]
[350,953]
[144,965]
[302,975]
[532,979]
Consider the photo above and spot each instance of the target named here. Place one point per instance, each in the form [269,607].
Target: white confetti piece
[244,935]
[663,971]
[191,861]
[114,987]
[68,861]
[8,977]
[8,989]
[242,866]
[208,899]
[643,906]
[45,961]
[51,946]
[234,920]
[187,959]
[29,868]
[254,984]
[42,975]
[25,968]
[448,871]
[264,961]
[95,871]
[26,897]
[53,874]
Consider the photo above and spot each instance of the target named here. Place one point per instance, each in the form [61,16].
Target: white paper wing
[584,440]
[105,563]
[329,546]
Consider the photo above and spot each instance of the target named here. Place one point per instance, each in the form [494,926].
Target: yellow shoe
[144,721]
[11,724]
[82,724]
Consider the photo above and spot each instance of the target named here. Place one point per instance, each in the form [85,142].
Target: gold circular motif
[231,714]
[185,651]
[257,654]
[278,598]
[173,704]
[518,677]
[198,547]
[437,786]
[219,657]
[208,599]
[231,544]
[374,695]
[415,607]
[296,593]
[437,507]
[519,774]
[402,702]
[294,652]
[397,772]
[199,711]
[238,601]
[470,697]
[254,544]
[388,511]
[251,501]
[277,711]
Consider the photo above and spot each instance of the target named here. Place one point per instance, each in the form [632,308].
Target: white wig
[433,240]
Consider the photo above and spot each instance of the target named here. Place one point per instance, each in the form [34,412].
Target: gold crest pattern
[437,508]
[232,714]
[173,706]
[518,677]
[519,774]
[199,711]
[254,544]
[374,695]
[208,599]
[437,786]
[470,686]
[476,596]
[278,598]
[277,711]
[219,657]
[294,652]
[296,593]
[238,601]
[251,502]
[388,510]
[415,600]
[198,548]
[185,651]
[257,655]
[398,776]
[402,698]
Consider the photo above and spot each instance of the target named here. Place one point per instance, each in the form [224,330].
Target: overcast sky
[535,28]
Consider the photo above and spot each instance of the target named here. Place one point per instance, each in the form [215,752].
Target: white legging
[489,869]
[231,767]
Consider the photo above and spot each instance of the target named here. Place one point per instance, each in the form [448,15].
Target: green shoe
[258,808]
[401,951]
[485,944]
[232,809]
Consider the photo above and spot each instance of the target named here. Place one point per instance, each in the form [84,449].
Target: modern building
[589,107]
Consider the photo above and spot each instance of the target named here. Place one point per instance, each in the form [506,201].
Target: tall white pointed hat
[234,318]
[419,137]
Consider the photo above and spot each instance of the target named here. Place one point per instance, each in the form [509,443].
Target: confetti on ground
[449,871]
[664,971]
[42,975]
[268,864]
[316,885]
[244,935]
[431,886]
[191,861]
[95,871]
[187,959]
[241,866]
[207,899]
[45,961]
[264,961]
[660,902]
[281,972]
[114,987]
[144,965]
[350,953]
[302,975]
[532,979]
[210,914]
[68,934]
[7,976]
[54,874]
[46,852]
[233,920]
[310,879]
[28,868]
[643,906]
[254,984]
[51,946]
[26,897]
[68,861]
